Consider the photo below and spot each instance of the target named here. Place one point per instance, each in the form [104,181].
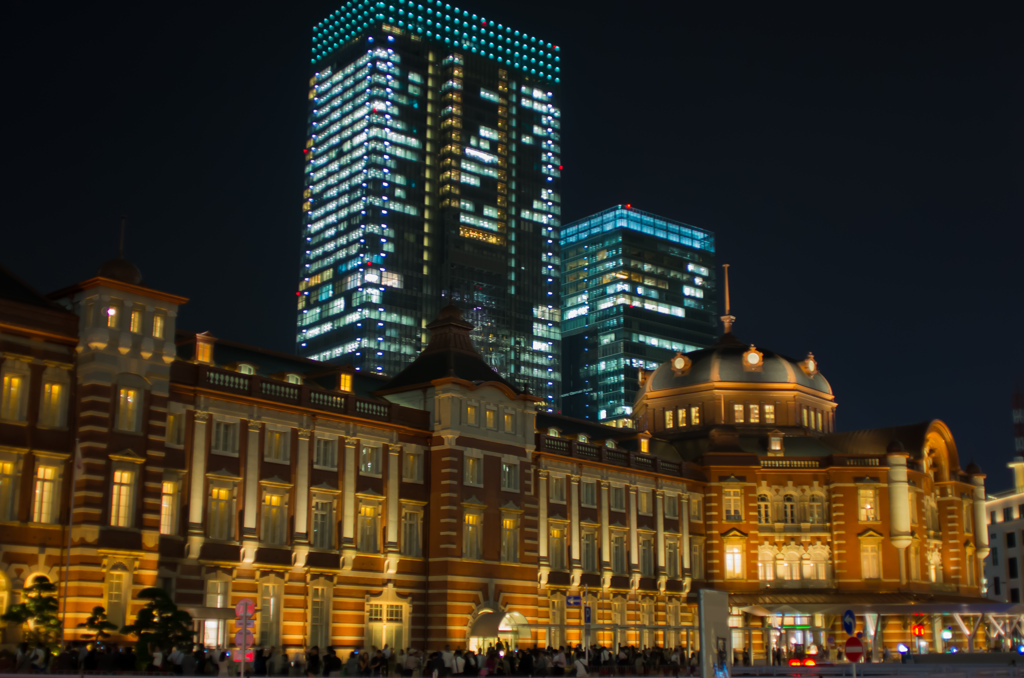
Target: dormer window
[204,348]
[245,368]
[583,438]
[775,446]
[553,432]
[609,443]
[293,379]
[345,382]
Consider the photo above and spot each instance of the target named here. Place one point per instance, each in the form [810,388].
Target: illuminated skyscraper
[636,289]
[431,177]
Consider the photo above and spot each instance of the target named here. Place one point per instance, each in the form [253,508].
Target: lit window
[345,383]
[273,519]
[44,499]
[870,561]
[320,616]
[135,324]
[112,316]
[697,560]
[471,415]
[204,352]
[176,428]
[472,536]
[672,558]
[412,466]
[323,523]
[510,476]
[116,586]
[669,419]
[647,556]
[508,421]
[803,415]
[168,507]
[158,326]
[644,502]
[369,527]
[51,411]
[733,509]
[510,539]
[556,547]
[369,461]
[245,368]
[277,446]
[489,418]
[764,509]
[789,509]
[589,553]
[733,562]
[696,511]
[221,521]
[775,443]
[474,471]
[618,552]
[769,414]
[12,399]
[695,415]
[816,509]
[817,419]
[129,408]
[755,414]
[270,614]
[8,483]
[737,413]
[682,417]
[867,502]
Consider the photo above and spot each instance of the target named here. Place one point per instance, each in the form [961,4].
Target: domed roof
[121,270]
[724,362]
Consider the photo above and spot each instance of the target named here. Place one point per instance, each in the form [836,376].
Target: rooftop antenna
[120,248]
[727,319]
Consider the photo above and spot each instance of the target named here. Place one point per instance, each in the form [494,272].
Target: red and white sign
[243,657]
[245,607]
[854,649]
[244,638]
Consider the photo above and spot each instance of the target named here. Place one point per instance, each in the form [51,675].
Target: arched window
[766,563]
[764,509]
[816,509]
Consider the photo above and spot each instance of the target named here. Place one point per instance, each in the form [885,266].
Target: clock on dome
[809,365]
[680,364]
[753,360]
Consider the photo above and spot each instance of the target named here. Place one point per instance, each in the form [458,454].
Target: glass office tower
[636,289]
[432,177]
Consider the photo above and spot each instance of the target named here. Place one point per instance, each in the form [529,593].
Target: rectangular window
[135,323]
[733,507]
[672,558]
[588,493]
[273,519]
[1011,539]
[158,326]
[490,418]
[323,523]
[695,415]
[737,413]
[671,506]
[733,562]
[8,483]
[221,522]
[618,553]
[682,417]
[169,507]
[225,437]
[474,471]
[644,502]
[175,429]
[556,547]
[618,498]
[320,616]
[769,414]
[589,551]
[870,561]
[412,466]
[696,508]
[412,540]
[369,528]
[276,448]
[510,539]
[270,614]
[218,594]
[116,603]
[669,419]
[1008,513]
[556,490]
[471,415]
[121,499]
[44,500]
[128,409]
[325,454]
[647,556]
[816,510]
[510,476]
[1011,566]
[51,411]
[472,537]
[508,421]
[697,560]
[12,398]
[867,501]
[995,556]
[755,414]
[369,461]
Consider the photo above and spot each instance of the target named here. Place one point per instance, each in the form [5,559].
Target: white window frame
[220,524]
[671,506]
[277,445]
[368,526]
[509,475]
[320,613]
[413,465]
[14,408]
[322,521]
[53,410]
[46,492]
[129,409]
[472,534]
[647,555]
[589,556]
[588,493]
[558,544]
[732,504]
[644,502]
[556,489]
[473,470]
[325,453]
[509,537]
[619,551]
[271,599]
[274,517]
[411,537]
[225,436]
[10,475]
[370,460]
[617,498]
[123,481]
[867,504]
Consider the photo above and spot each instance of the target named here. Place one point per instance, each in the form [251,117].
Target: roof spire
[727,319]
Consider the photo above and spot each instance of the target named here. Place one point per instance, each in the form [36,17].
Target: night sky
[861,171]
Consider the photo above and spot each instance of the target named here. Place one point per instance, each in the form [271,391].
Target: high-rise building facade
[431,177]
[637,289]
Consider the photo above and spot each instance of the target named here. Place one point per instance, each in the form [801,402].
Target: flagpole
[67,551]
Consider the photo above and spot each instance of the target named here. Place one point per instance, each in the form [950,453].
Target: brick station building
[440,507]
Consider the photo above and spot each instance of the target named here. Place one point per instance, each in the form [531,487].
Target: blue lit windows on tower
[432,176]
[636,289]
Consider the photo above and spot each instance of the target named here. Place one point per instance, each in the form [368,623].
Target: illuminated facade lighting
[432,173]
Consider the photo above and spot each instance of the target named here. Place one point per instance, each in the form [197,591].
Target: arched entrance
[510,628]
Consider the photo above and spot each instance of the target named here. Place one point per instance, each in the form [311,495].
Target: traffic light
[918,630]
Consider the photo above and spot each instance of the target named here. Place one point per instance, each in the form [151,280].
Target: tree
[98,624]
[39,611]
[160,624]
